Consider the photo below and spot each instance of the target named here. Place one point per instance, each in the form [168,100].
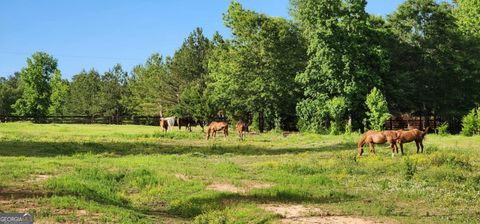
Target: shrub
[470,123]
[377,109]
[336,109]
[442,129]
[312,114]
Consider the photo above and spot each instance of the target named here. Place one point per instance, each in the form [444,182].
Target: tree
[434,56]
[59,94]
[150,88]
[10,92]
[35,82]
[113,87]
[378,111]
[468,20]
[254,73]
[342,61]
[84,97]
[189,70]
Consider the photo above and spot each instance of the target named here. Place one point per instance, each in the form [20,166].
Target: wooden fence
[391,124]
[138,120]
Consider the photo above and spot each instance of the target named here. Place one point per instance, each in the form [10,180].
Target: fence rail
[391,124]
[138,120]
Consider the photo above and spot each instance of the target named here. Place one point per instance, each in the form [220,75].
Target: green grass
[137,174]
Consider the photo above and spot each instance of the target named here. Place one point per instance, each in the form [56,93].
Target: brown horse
[241,129]
[378,137]
[164,124]
[217,126]
[412,135]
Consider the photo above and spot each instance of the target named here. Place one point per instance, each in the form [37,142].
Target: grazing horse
[164,124]
[188,122]
[378,137]
[412,135]
[217,126]
[241,129]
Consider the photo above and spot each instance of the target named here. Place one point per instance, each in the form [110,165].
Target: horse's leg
[393,149]
[418,146]
[207,134]
[401,147]
[372,148]
[421,144]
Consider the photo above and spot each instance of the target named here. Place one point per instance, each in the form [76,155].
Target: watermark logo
[16,218]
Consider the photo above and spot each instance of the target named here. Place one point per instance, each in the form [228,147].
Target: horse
[188,122]
[378,137]
[164,124]
[241,128]
[217,126]
[412,135]
[170,121]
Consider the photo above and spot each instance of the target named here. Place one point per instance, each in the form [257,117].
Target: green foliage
[113,87]
[149,91]
[59,94]
[35,83]
[312,115]
[471,123]
[443,129]
[336,109]
[378,109]
[467,17]
[84,96]
[254,72]
[10,92]
[341,55]
[432,52]
[189,69]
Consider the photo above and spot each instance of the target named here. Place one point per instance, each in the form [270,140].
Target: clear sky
[100,33]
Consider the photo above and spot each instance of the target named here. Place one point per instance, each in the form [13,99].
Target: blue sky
[98,34]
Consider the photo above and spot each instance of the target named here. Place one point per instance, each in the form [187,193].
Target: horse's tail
[425,132]
[362,141]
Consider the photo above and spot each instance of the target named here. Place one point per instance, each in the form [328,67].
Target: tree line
[312,73]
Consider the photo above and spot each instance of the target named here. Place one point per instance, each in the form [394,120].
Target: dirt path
[295,213]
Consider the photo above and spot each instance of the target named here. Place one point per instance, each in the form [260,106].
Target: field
[137,174]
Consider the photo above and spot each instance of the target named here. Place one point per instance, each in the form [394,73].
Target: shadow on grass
[48,149]
[197,205]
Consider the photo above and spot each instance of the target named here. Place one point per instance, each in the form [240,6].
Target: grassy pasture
[137,174]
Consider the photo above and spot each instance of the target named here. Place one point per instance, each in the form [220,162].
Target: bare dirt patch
[294,213]
[257,185]
[39,178]
[246,186]
[225,187]
[182,177]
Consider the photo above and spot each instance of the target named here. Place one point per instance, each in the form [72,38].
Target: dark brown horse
[378,137]
[241,129]
[217,126]
[164,124]
[412,135]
